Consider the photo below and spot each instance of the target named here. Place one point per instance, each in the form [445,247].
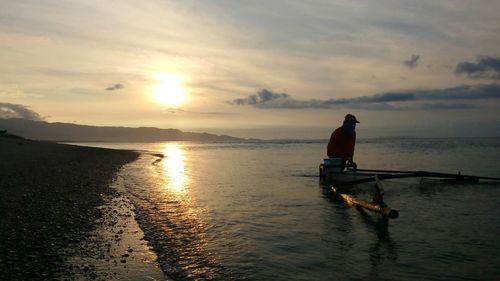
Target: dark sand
[49,199]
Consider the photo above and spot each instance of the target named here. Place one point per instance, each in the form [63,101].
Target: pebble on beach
[49,199]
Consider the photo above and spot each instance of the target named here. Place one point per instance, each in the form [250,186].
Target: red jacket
[341,144]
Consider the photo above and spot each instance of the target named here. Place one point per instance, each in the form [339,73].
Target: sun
[169,90]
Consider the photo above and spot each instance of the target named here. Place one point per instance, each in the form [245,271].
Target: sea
[257,211]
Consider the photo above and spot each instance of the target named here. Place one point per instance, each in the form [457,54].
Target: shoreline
[51,196]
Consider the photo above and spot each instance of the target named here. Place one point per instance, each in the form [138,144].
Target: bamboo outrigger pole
[385,175]
[395,173]
[378,205]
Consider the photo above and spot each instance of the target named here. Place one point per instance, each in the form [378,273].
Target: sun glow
[173,165]
[169,90]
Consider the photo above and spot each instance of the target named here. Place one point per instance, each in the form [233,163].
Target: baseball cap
[351,117]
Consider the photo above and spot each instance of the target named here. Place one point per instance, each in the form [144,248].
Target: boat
[333,171]
[340,179]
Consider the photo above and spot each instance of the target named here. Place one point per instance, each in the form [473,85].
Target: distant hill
[39,130]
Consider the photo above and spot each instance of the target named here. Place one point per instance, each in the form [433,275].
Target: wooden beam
[374,207]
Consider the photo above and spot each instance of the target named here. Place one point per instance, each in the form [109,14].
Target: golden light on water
[169,90]
[174,167]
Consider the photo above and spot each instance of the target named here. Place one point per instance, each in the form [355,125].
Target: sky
[251,68]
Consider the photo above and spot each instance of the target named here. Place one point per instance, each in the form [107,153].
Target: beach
[50,196]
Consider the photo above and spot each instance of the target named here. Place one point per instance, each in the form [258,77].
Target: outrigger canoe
[338,179]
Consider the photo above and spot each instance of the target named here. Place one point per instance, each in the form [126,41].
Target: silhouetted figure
[342,140]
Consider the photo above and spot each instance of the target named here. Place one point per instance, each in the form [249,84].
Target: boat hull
[334,176]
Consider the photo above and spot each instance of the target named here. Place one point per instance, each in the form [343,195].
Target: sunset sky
[266,69]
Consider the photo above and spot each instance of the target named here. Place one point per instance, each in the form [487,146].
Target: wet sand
[51,201]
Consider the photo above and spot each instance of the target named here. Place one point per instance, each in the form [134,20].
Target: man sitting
[342,141]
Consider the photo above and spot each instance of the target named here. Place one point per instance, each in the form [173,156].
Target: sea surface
[256,211]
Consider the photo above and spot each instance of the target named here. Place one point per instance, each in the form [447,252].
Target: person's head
[350,122]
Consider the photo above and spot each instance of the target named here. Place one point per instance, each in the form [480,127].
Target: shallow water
[255,211]
[115,250]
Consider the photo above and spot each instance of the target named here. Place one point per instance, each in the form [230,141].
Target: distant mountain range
[40,130]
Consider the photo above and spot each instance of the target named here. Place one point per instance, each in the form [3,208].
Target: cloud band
[382,101]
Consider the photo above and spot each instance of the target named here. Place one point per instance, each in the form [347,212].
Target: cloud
[412,62]
[261,97]
[381,101]
[486,67]
[10,110]
[417,106]
[445,106]
[115,87]
[465,92]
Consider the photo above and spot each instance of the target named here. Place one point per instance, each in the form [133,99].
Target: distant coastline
[67,132]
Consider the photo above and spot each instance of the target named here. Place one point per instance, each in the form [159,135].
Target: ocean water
[256,211]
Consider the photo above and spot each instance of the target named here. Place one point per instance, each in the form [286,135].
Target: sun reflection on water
[174,167]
